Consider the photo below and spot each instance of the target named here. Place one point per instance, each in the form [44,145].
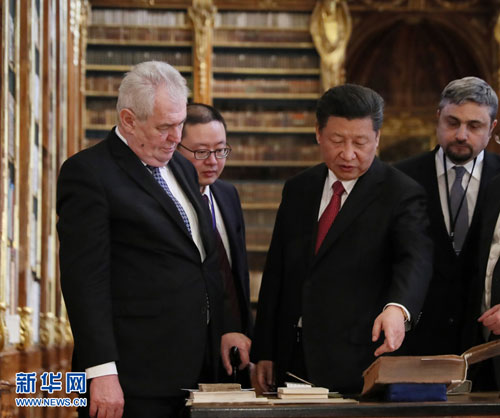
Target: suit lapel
[311,203]
[133,166]
[194,196]
[363,193]
[429,181]
[228,215]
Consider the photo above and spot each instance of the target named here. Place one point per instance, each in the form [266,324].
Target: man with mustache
[455,175]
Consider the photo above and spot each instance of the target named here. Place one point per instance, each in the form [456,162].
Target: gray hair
[138,88]
[470,89]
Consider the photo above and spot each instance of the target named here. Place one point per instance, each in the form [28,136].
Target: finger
[270,378]
[101,412]
[245,358]
[261,379]
[226,362]
[93,408]
[377,327]
[381,350]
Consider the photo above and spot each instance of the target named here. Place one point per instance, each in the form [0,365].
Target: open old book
[447,369]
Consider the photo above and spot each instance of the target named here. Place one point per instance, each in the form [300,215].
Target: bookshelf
[266,80]
[119,38]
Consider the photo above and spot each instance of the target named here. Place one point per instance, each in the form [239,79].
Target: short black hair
[201,113]
[350,101]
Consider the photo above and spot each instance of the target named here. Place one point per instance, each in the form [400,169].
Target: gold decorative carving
[60,329]
[25,328]
[331,28]
[75,21]
[47,322]
[4,335]
[202,13]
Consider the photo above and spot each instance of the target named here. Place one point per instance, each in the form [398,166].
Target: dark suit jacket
[440,329]
[376,252]
[229,204]
[132,278]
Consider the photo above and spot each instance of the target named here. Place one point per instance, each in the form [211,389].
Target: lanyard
[453,220]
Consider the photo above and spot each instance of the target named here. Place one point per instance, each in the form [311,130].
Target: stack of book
[223,393]
[303,392]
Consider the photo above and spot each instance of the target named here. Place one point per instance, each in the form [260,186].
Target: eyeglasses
[203,154]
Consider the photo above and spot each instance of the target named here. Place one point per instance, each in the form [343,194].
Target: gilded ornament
[25,328]
[4,335]
[331,29]
[47,322]
[202,13]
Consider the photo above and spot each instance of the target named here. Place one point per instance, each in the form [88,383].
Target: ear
[318,132]
[377,137]
[493,124]
[127,120]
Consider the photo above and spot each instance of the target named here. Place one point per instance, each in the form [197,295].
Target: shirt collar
[348,184]
[124,140]
[450,164]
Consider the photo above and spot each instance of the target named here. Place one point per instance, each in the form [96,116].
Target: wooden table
[470,405]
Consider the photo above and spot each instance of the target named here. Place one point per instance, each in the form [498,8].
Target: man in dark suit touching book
[349,259]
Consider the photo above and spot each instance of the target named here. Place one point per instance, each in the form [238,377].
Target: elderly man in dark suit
[349,257]
[204,144]
[455,175]
[138,262]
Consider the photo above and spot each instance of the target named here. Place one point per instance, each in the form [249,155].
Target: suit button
[451,321]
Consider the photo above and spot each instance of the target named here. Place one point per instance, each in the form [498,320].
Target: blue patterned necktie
[157,176]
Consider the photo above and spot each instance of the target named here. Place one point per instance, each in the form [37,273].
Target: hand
[232,339]
[106,397]
[491,319]
[265,375]
[392,322]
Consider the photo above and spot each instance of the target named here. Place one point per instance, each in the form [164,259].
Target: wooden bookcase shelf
[131,43]
[124,68]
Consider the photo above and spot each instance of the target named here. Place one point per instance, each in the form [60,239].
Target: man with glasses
[204,144]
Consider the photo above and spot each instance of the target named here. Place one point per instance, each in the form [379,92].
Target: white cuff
[101,370]
[407,313]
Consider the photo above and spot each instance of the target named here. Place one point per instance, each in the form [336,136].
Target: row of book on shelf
[185,34]
[131,56]
[267,85]
[176,57]
[111,83]
[139,33]
[102,112]
[261,35]
[140,17]
[172,18]
[256,59]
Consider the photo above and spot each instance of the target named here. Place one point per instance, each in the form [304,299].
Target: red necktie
[328,216]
